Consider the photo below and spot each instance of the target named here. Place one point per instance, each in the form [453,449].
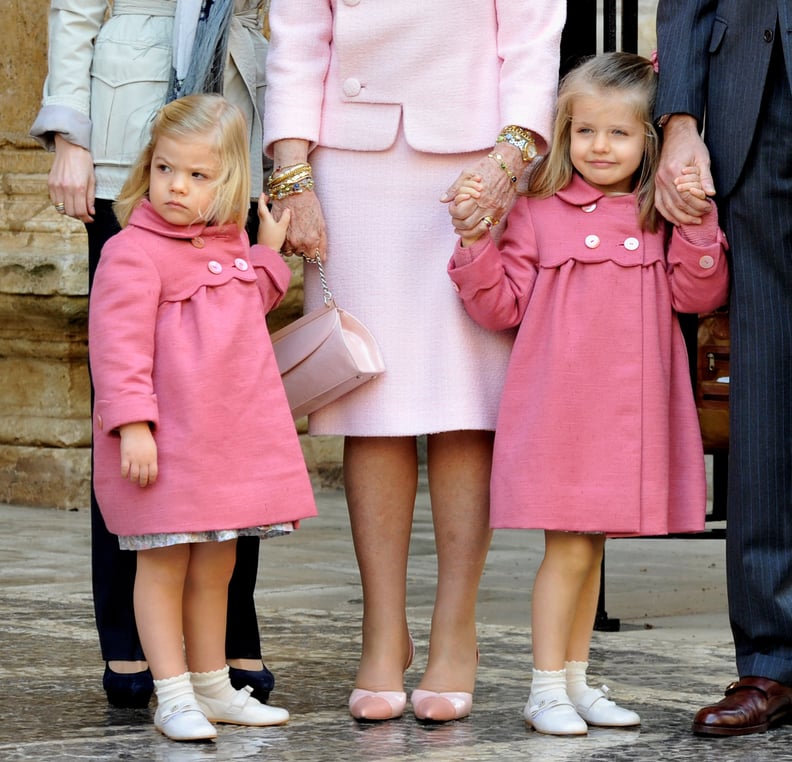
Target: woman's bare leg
[459,465]
[381,480]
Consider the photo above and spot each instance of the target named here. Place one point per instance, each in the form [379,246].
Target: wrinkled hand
[495,199]
[271,233]
[72,181]
[683,149]
[138,454]
[465,204]
[306,233]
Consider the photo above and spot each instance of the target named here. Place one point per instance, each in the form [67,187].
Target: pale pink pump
[431,706]
[376,706]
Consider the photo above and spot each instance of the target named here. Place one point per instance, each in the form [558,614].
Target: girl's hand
[138,454]
[271,233]
[689,185]
[72,181]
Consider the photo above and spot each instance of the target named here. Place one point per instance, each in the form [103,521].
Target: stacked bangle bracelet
[287,181]
[503,165]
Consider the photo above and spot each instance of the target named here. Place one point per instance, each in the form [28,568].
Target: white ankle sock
[547,680]
[174,689]
[215,684]
[576,684]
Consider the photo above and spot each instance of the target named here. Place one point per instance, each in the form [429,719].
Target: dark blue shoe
[262,681]
[128,691]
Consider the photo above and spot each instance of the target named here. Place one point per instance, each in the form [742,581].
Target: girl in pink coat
[194,441]
[597,432]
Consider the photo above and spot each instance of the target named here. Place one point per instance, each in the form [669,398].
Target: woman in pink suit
[374,107]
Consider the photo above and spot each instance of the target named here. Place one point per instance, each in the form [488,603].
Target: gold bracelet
[280,174]
[283,190]
[503,165]
[521,139]
[287,181]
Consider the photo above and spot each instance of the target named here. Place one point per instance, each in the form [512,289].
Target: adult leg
[758,220]
[126,678]
[381,481]
[459,466]
[243,640]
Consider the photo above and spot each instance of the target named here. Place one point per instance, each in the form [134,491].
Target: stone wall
[44,392]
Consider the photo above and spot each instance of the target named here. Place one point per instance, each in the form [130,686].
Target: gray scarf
[200,46]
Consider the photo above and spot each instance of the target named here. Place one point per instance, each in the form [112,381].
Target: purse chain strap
[327,294]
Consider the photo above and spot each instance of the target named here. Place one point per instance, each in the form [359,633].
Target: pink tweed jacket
[353,92]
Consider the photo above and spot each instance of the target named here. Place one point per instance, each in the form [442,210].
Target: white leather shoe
[183,721]
[554,714]
[242,710]
[597,709]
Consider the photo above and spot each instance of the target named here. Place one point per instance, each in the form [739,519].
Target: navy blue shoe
[128,691]
[262,681]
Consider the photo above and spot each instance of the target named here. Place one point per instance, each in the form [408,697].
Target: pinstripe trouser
[757,217]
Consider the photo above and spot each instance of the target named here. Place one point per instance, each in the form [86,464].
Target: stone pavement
[672,654]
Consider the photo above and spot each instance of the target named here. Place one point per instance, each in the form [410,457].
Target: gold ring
[60,207]
[489,221]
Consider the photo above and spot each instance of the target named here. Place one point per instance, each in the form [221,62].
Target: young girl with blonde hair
[194,441]
[597,431]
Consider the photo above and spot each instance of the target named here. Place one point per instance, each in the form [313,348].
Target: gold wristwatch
[520,138]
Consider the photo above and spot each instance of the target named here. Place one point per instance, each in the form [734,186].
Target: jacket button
[240,264]
[352,87]
[197,242]
[631,244]
[99,422]
[768,35]
[215,267]
[351,3]
[588,208]
[592,241]
[707,262]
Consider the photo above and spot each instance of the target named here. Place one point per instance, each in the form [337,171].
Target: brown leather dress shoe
[751,705]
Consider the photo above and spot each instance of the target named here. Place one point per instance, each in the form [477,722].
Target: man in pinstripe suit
[727,65]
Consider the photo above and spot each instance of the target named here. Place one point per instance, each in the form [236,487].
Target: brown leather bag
[712,379]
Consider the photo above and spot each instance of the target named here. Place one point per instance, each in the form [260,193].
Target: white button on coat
[240,264]
[707,262]
[588,208]
[631,244]
[592,241]
[215,267]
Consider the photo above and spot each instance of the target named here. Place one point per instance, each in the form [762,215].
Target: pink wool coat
[597,429]
[178,337]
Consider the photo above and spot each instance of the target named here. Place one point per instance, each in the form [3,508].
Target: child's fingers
[285,219]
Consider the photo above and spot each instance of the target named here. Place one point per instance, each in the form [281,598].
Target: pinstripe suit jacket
[714,57]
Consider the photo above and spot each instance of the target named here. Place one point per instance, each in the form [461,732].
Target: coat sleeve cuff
[72,124]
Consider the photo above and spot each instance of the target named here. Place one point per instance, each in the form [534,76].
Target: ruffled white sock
[576,684]
[214,685]
[543,681]
[175,691]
